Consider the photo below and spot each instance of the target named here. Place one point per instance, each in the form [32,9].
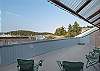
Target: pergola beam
[84,5]
[95,20]
[97,25]
[67,8]
[94,14]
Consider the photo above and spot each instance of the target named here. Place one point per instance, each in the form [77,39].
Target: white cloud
[12,13]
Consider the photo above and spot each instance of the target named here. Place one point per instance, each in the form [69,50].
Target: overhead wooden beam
[70,10]
[73,12]
[97,25]
[95,20]
[94,14]
[84,5]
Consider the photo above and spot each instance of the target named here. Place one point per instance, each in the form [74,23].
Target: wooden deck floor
[75,53]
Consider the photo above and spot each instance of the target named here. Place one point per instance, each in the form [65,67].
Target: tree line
[26,33]
[73,30]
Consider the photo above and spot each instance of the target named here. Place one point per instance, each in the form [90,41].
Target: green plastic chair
[97,50]
[92,58]
[28,65]
[70,66]
[25,65]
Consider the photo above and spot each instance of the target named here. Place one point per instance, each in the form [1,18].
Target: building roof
[88,10]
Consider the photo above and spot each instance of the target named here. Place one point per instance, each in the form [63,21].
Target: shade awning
[88,10]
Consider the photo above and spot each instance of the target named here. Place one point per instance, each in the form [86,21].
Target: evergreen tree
[70,31]
[60,31]
[74,30]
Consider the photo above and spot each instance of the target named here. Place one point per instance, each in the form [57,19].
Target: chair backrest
[26,65]
[96,50]
[72,66]
[92,57]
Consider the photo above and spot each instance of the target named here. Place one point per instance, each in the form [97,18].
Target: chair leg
[18,68]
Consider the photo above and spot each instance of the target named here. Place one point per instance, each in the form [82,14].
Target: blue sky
[34,15]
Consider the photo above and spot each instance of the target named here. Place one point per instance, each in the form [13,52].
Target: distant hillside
[26,33]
